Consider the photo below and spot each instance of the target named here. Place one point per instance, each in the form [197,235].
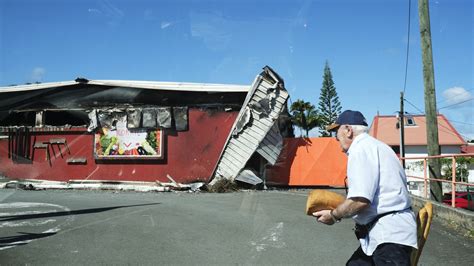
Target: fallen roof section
[255,129]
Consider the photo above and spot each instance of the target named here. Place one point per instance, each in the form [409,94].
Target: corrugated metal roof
[154,85]
[266,100]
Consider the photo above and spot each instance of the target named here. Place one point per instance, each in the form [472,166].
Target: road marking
[151,219]
[272,239]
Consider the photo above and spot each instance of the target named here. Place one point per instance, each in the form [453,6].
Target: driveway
[244,228]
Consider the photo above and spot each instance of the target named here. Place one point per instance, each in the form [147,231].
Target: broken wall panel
[134,117]
[93,124]
[180,115]
[105,119]
[249,177]
[266,86]
[149,118]
[243,121]
[163,118]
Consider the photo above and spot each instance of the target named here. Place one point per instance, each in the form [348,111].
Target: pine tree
[329,105]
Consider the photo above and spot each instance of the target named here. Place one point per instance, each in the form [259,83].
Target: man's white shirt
[375,173]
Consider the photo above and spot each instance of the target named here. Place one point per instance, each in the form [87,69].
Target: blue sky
[223,41]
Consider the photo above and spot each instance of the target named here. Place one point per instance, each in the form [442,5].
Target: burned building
[141,131]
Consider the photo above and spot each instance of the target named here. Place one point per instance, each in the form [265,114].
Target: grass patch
[470,234]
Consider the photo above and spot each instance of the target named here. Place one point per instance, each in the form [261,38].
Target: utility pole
[402,130]
[434,165]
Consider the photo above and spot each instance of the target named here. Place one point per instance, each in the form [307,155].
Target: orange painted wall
[309,162]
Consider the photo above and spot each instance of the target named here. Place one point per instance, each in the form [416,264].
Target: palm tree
[305,116]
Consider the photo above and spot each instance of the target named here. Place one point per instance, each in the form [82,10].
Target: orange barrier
[309,162]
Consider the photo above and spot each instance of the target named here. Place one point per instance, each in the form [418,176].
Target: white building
[387,129]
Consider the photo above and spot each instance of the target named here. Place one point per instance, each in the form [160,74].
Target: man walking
[377,197]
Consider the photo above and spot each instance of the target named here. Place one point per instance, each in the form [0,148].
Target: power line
[456,104]
[408,46]
[458,122]
[421,112]
[448,130]
[444,107]
[455,96]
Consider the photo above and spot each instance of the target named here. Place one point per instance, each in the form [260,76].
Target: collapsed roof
[256,128]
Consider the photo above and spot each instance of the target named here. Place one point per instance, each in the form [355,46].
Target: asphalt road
[243,228]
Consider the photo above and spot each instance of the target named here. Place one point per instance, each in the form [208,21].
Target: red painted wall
[189,156]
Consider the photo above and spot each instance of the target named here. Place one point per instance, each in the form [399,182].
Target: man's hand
[324,217]
[347,209]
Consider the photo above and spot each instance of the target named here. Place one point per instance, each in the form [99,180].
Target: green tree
[329,105]
[462,168]
[305,116]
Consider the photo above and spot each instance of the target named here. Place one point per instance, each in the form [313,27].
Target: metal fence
[452,181]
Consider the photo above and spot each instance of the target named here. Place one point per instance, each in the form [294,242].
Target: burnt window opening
[68,117]
[17,118]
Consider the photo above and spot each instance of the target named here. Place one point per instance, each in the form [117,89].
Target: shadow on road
[22,239]
[67,213]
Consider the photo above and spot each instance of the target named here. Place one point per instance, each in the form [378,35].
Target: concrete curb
[91,185]
[460,219]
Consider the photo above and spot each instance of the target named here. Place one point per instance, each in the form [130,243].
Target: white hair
[359,129]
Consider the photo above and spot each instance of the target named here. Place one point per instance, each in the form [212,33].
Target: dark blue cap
[348,117]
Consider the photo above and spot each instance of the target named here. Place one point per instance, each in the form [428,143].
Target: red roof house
[386,129]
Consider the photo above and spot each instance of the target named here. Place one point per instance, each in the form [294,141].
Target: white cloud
[109,12]
[37,74]
[456,95]
[165,24]
[459,108]
[213,29]
[94,10]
